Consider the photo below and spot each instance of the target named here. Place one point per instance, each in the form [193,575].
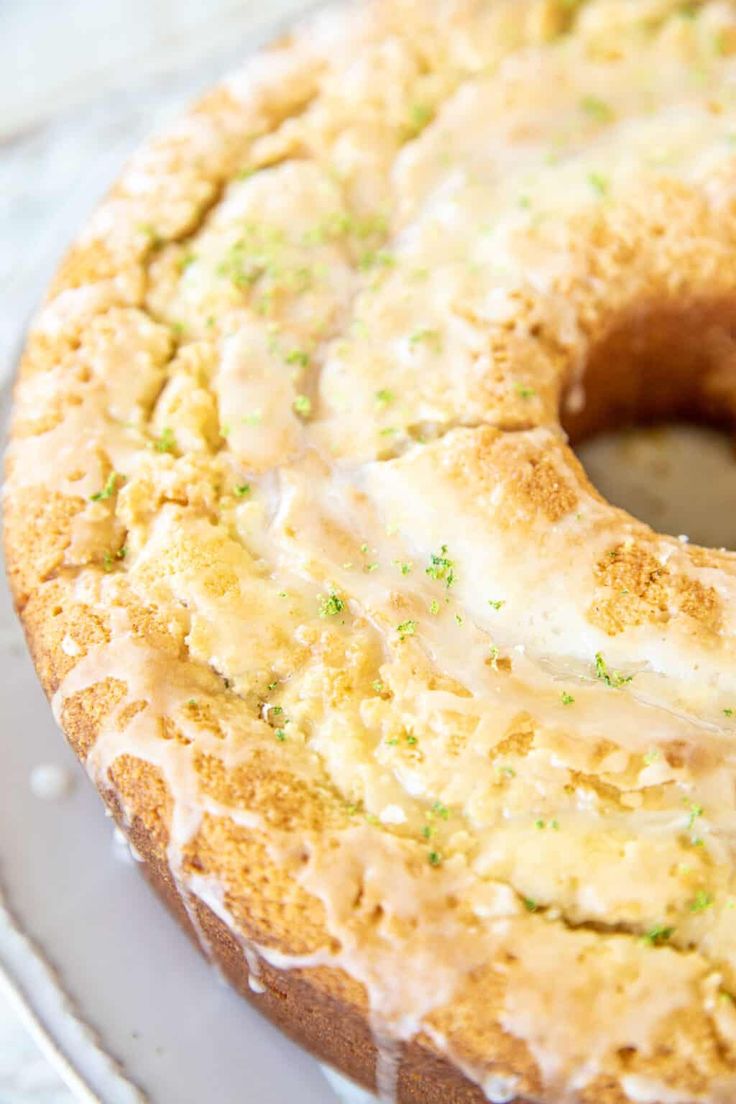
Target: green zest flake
[540,824]
[651,757]
[298,356]
[695,812]
[431,338]
[384,397]
[151,232]
[272,685]
[166,442]
[441,810]
[567,699]
[303,406]
[728,712]
[597,109]
[441,567]
[428,831]
[403,566]
[376,258]
[109,558]
[599,183]
[554,825]
[434,607]
[186,260]
[406,628]
[331,606]
[496,604]
[280,734]
[242,489]
[420,115]
[435,858]
[657,935]
[701,901]
[377,686]
[525,392]
[508,771]
[393,742]
[108,490]
[411,739]
[613,679]
[459,619]
[530,904]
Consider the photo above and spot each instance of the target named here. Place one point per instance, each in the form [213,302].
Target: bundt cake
[430,748]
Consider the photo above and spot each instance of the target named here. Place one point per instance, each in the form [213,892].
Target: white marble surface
[25,1075]
[81,84]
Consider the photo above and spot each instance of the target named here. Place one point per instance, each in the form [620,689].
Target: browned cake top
[320,590]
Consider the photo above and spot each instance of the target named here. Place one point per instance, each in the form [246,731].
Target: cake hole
[652,417]
[680,479]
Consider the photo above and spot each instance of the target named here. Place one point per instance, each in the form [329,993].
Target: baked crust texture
[429,747]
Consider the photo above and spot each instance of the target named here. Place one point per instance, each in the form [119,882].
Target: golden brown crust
[346,736]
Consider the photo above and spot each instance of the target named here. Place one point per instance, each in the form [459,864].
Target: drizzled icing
[365,621]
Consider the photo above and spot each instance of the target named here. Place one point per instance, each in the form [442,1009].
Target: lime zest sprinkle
[108,490]
[599,183]
[441,567]
[597,108]
[298,356]
[303,406]
[701,901]
[331,606]
[431,338]
[614,679]
[166,442]
[658,934]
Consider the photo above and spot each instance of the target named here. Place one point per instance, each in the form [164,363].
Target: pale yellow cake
[430,747]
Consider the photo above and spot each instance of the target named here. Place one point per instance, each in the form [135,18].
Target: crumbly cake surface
[321,594]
